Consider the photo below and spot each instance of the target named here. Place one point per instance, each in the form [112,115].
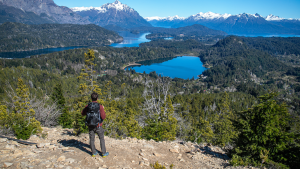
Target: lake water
[267,35]
[131,40]
[185,67]
[24,54]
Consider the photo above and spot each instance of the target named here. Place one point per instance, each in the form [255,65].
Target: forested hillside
[196,32]
[21,37]
[231,60]
[243,88]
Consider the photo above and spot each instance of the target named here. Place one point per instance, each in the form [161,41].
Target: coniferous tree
[88,86]
[58,96]
[263,133]
[23,119]
[224,129]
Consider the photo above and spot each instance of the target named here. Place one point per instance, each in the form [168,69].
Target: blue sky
[186,8]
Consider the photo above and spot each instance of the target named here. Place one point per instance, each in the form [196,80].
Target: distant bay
[185,67]
[131,40]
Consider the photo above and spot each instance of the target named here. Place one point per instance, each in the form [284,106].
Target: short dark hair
[94,96]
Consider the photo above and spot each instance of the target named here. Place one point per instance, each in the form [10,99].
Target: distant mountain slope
[250,24]
[21,37]
[113,14]
[47,9]
[12,14]
[164,21]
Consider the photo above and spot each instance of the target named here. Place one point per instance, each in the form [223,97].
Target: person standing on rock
[95,115]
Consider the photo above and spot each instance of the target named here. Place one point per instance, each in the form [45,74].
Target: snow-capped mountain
[114,13]
[273,18]
[164,21]
[169,18]
[208,16]
[290,23]
[249,24]
[244,23]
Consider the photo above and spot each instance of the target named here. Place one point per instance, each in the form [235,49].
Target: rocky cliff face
[47,9]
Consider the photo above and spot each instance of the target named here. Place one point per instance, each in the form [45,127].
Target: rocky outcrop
[61,149]
[47,9]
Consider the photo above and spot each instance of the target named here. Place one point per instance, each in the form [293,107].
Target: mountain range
[118,16]
[233,24]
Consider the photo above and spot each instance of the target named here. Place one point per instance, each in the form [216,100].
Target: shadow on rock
[76,144]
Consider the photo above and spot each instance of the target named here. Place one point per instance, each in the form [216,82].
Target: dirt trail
[63,150]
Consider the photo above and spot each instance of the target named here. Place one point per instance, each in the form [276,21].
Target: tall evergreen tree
[58,96]
[22,119]
[224,129]
[263,133]
[87,86]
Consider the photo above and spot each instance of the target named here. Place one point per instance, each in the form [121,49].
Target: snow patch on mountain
[209,16]
[117,5]
[80,9]
[248,15]
[169,18]
[273,18]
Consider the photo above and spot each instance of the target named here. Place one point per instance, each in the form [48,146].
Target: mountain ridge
[243,23]
[48,9]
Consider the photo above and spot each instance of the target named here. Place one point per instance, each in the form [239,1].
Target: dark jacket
[102,112]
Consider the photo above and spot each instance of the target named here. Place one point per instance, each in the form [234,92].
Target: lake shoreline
[182,66]
[130,64]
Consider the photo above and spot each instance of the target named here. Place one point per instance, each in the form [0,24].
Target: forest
[248,104]
[22,37]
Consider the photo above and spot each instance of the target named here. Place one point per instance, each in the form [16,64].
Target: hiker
[95,114]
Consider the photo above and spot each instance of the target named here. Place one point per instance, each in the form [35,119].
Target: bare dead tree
[155,95]
[46,112]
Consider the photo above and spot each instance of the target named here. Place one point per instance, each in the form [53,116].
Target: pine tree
[58,96]
[263,133]
[87,87]
[224,130]
[23,119]
[128,119]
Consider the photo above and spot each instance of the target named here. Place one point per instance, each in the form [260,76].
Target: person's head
[94,96]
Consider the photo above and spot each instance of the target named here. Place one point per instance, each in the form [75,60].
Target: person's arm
[84,111]
[102,112]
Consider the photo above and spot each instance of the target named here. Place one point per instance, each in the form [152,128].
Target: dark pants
[100,132]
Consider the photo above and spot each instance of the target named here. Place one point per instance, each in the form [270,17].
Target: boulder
[61,159]
[174,150]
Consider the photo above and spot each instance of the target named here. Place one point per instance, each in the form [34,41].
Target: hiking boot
[105,154]
[94,155]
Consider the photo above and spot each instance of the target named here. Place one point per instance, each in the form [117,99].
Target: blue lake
[267,35]
[180,67]
[131,40]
